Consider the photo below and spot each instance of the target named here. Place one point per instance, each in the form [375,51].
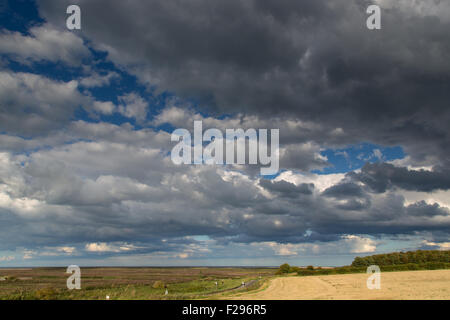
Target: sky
[86,118]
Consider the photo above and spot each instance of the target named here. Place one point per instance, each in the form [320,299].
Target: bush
[294,269]
[46,294]
[284,268]
[158,285]
[305,272]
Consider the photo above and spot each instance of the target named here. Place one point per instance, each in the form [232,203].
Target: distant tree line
[396,261]
[400,258]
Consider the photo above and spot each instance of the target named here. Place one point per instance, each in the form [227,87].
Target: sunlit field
[404,285]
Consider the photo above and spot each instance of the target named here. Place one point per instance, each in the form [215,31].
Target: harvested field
[434,284]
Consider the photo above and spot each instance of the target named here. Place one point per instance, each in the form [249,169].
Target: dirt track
[394,285]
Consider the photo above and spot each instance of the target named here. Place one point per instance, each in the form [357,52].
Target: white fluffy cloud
[44,43]
[346,244]
[98,80]
[439,246]
[7,258]
[320,181]
[105,247]
[133,106]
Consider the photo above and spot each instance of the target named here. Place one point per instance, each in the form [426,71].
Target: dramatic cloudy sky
[86,116]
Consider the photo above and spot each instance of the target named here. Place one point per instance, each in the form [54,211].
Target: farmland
[404,285]
[200,283]
[128,283]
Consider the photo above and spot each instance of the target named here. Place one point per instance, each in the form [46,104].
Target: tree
[284,268]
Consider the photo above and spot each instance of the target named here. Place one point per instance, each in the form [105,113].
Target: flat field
[128,283]
[199,283]
[403,285]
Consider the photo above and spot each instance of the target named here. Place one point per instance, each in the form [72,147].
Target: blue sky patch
[355,156]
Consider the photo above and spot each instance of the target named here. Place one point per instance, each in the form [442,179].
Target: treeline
[400,258]
[310,270]
[398,261]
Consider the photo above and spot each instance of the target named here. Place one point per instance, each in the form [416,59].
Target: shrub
[158,285]
[284,268]
[306,272]
[294,269]
[45,294]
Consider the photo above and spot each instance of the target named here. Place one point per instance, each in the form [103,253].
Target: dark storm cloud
[389,218]
[287,189]
[421,208]
[344,190]
[314,60]
[382,176]
[354,204]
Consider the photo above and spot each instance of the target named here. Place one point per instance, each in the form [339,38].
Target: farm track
[245,285]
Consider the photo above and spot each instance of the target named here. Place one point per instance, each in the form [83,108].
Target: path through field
[433,284]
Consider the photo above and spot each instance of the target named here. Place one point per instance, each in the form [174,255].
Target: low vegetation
[127,283]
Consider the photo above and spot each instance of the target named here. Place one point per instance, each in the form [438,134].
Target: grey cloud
[287,189]
[344,190]
[311,60]
[61,197]
[98,80]
[421,208]
[80,130]
[133,106]
[37,103]
[382,176]
[309,67]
